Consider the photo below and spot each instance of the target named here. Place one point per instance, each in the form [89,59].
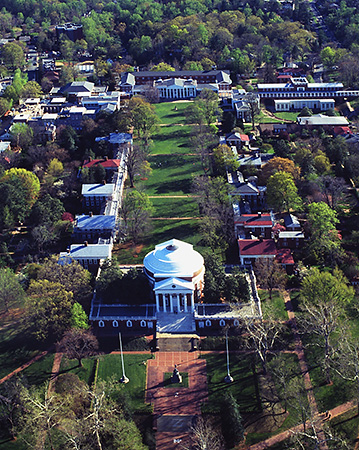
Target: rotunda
[176,273]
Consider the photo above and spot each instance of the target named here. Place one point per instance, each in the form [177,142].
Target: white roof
[320,119]
[174,284]
[97,189]
[291,235]
[173,258]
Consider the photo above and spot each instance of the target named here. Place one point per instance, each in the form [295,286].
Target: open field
[172,139]
[275,305]
[171,112]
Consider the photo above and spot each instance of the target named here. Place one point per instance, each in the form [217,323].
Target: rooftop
[257,247]
[88,222]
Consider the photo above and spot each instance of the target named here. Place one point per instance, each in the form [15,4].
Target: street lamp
[123,379]
[227,378]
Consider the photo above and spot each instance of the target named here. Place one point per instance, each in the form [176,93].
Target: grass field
[172,174]
[40,371]
[16,347]
[244,387]
[135,369]
[172,139]
[171,112]
[276,305]
[175,207]
[85,373]
[287,115]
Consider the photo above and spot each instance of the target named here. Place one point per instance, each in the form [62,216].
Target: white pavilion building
[176,273]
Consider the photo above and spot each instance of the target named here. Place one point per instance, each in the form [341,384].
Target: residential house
[241,104]
[110,165]
[291,239]
[90,256]
[285,258]
[328,123]
[237,140]
[255,160]
[291,222]
[96,195]
[93,227]
[250,250]
[248,225]
[251,197]
[276,129]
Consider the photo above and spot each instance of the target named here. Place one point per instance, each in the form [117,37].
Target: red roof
[106,163]
[284,256]
[264,220]
[244,137]
[342,130]
[249,247]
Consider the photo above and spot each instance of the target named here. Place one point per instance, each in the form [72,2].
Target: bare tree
[270,274]
[262,335]
[321,319]
[204,436]
[315,438]
[332,189]
[203,142]
[78,344]
[136,161]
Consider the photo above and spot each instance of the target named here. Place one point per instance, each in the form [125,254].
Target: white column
[192,301]
[164,302]
[171,303]
[157,303]
[184,297]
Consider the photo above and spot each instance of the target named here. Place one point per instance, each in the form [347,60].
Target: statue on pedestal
[176,376]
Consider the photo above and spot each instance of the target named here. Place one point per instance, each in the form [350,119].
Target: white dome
[173,258]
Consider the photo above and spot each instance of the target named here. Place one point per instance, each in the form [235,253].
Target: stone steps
[175,343]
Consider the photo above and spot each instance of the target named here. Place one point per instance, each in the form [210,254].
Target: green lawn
[244,387]
[275,305]
[171,112]
[40,371]
[263,118]
[175,207]
[135,369]
[287,115]
[172,174]
[347,425]
[172,139]
[85,373]
[17,347]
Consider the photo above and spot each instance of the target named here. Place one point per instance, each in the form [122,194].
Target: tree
[11,291]
[143,118]
[232,422]
[253,102]
[225,159]
[236,288]
[163,67]
[333,189]
[49,309]
[43,237]
[282,192]
[135,162]
[13,55]
[72,276]
[278,164]
[21,135]
[204,436]
[261,336]
[55,168]
[214,279]
[324,298]
[32,89]
[136,211]
[79,317]
[203,142]
[29,182]
[4,106]
[216,208]
[78,344]
[109,281]
[47,210]
[270,274]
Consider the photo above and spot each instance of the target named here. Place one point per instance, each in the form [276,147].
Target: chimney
[259,214]
[86,243]
[103,181]
[260,238]
[106,158]
[90,213]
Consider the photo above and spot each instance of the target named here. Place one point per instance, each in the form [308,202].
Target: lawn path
[54,373]
[24,366]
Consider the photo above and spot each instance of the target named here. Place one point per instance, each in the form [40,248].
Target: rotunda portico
[175,272]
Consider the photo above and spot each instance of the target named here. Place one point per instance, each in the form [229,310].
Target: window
[143,323]
[208,323]
[222,323]
[115,324]
[101,324]
[129,324]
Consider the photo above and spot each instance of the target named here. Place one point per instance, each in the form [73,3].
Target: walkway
[175,408]
[54,373]
[23,366]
